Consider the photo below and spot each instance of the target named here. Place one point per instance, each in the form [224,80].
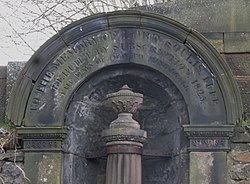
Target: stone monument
[189,110]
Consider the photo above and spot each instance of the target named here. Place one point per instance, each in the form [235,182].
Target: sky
[21,20]
[12,47]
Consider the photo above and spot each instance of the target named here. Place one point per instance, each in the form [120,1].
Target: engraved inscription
[65,73]
[208,143]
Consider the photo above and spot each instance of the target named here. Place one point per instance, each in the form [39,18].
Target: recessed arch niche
[114,48]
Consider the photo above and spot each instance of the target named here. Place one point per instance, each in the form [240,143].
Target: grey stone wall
[11,168]
[239,164]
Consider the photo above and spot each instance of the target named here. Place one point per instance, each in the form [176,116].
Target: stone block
[243,157]
[240,172]
[239,63]
[237,42]
[3,72]
[207,16]
[216,39]
[244,84]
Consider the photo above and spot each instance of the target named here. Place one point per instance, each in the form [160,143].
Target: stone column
[124,139]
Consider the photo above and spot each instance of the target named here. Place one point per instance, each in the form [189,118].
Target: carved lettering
[92,52]
[208,143]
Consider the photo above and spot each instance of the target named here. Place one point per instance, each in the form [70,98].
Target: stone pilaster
[208,146]
[42,148]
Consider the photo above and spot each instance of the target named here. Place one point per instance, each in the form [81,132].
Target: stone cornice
[209,137]
[38,139]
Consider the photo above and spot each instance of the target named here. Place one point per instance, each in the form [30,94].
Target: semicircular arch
[45,86]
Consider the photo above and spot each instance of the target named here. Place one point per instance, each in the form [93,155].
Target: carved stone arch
[69,36]
[133,39]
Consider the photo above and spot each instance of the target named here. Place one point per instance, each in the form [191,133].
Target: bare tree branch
[46,17]
[15,31]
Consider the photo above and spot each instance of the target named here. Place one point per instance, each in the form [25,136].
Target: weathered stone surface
[237,42]
[240,172]
[201,165]
[11,173]
[243,157]
[239,63]
[216,39]
[207,16]
[129,46]
[87,117]
[207,168]
[43,167]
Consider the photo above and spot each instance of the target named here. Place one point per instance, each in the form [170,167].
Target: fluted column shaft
[123,169]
